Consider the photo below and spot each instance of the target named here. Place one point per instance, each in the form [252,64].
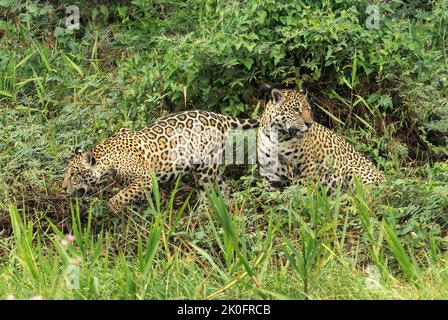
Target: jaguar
[293,148]
[187,142]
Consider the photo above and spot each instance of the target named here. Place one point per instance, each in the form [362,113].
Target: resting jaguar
[293,148]
[184,142]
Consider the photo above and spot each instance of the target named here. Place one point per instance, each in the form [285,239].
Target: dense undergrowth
[384,89]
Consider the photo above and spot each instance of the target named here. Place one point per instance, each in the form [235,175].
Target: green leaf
[250,46]
[6,94]
[25,17]
[354,67]
[386,103]
[74,65]
[409,267]
[248,62]
[59,32]
[5,3]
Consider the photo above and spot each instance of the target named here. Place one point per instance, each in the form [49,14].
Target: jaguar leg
[132,195]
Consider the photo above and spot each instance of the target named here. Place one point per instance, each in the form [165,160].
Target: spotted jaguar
[188,142]
[292,148]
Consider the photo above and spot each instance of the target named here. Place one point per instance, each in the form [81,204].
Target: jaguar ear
[276,95]
[78,150]
[264,91]
[89,158]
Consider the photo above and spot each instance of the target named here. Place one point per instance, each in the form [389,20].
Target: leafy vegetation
[130,62]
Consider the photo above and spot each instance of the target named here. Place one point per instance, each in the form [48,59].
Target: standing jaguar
[293,148]
[184,142]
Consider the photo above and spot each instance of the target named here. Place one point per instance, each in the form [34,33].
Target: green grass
[229,253]
[384,90]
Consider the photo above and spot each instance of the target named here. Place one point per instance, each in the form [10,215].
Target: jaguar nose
[66,189]
[80,192]
[293,131]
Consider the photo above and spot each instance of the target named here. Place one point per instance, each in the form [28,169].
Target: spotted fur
[185,142]
[293,148]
